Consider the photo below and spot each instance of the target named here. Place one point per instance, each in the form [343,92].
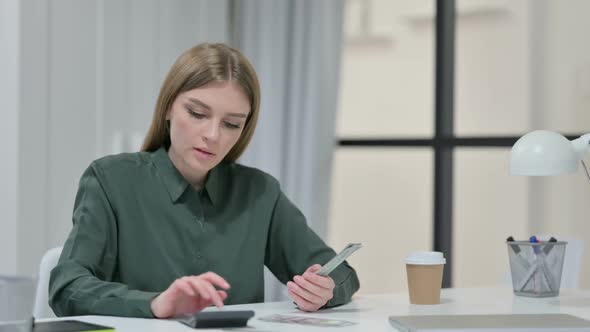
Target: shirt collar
[176,184]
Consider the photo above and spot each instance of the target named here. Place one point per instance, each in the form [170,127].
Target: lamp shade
[543,152]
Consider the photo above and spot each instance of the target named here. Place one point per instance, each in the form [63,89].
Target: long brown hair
[195,68]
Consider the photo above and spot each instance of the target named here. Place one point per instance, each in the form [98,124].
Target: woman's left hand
[311,291]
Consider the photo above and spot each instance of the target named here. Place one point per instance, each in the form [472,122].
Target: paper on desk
[314,321]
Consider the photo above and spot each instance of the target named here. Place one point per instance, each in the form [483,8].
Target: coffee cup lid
[425,258]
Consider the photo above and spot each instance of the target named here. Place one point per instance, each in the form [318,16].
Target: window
[417,171]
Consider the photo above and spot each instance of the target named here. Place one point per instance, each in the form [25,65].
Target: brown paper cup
[424,283]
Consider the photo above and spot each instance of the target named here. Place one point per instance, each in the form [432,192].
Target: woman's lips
[203,154]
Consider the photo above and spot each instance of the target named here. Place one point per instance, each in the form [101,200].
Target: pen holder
[536,267]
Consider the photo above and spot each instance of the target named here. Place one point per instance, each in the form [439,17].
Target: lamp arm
[582,147]
[585,170]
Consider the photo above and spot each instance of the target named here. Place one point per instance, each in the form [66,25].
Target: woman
[166,231]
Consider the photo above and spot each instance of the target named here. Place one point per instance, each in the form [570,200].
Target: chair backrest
[48,262]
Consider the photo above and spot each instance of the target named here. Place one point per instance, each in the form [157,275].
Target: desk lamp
[543,152]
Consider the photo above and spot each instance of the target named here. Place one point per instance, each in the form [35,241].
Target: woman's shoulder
[243,173]
[125,162]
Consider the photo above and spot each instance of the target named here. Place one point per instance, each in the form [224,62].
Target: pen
[533,239]
[548,247]
[540,258]
[544,267]
[521,263]
[537,287]
[530,274]
[514,247]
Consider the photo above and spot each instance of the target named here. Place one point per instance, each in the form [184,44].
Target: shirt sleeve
[292,247]
[81,283]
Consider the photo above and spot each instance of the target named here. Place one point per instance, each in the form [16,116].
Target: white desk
[371,312]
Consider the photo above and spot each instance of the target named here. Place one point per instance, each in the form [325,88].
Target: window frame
[444,142]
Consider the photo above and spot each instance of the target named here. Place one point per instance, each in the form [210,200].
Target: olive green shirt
[138,225]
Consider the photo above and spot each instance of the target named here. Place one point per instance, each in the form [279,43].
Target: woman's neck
[195,178]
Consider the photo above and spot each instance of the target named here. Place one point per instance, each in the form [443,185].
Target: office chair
[48,262]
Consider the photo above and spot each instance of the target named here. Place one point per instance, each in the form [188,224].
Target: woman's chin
[203,165]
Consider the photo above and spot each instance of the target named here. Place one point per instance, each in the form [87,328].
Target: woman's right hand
[189,295]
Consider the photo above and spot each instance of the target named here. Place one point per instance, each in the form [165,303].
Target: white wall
[89,74]
[567,66]
[33,143]
[9,103]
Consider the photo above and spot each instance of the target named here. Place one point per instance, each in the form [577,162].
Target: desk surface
[370,312]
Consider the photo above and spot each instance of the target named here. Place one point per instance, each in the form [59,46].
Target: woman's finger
[304,293]
[222,294]
[215,279]
[310,287]
[324,282]
[184,287]
[215,298]
[302,303]
[199,288]
[314,268]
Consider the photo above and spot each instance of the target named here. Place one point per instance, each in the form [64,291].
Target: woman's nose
[212,131]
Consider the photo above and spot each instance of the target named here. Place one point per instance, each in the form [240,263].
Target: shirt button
[199,255]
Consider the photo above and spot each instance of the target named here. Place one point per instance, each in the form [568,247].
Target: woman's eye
[231,125]
[195,114]
[198,115]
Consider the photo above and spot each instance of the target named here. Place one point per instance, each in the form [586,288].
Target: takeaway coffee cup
[425,271]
